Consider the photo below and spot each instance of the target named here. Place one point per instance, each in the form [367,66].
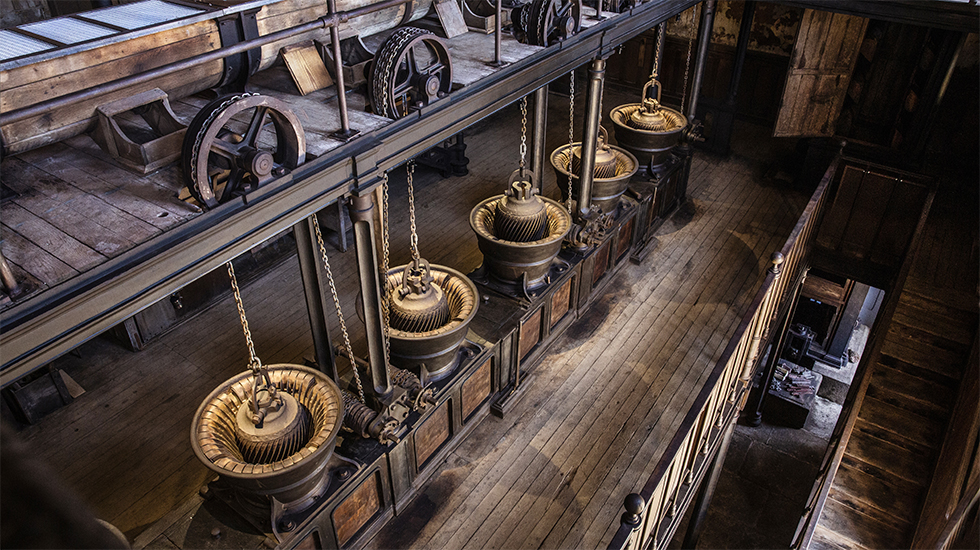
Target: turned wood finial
[777,261]
[634,507]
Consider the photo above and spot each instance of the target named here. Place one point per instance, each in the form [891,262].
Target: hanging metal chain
[660,46]
[690,47]
[571,131]
[523,133]
[336,304]
[253,360]
[385,291]
[410,168]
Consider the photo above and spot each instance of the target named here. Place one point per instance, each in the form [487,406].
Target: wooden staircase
[877,494]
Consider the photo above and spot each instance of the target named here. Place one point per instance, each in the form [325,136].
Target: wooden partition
[653,514]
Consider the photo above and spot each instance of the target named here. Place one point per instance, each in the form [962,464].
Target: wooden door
[819,72]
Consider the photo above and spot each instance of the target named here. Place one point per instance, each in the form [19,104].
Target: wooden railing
[652,515]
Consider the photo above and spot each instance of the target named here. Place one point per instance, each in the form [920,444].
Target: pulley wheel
[545,22]
[411,70]
[238,142]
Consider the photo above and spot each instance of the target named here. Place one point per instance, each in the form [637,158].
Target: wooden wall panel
[561,301]
[823,58]
[476,388]
[432,434]
[357,509]
[530,334]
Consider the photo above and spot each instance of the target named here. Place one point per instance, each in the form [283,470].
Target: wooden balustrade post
[753,408]
[706,491]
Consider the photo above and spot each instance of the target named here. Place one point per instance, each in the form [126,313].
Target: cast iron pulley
[521,215]
[545,22]
[411,70]
[237,143]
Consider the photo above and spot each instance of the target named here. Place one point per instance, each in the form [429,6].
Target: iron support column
[307,250]
[707,490]
[704,40]
[596,75]
[540,131]
[362,215]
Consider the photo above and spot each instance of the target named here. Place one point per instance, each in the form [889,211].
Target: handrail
[652,515]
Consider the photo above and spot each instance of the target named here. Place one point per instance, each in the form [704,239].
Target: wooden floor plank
[51,239]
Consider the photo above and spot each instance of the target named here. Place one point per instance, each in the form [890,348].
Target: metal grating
[67,30]
[14,45]
[142,14]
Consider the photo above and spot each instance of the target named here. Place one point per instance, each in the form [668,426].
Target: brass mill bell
[648,129]
[521,215]
[614,166]
[520,232]
[418,305]
[431,306]
[270,440]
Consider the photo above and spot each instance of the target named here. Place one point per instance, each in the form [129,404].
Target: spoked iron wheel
[545,22]
[237,143]
[411,70]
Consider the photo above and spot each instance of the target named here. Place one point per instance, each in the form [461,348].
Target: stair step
[874,491]
[846,517]
[915,336]
[938,361]
[903,462]
[919,289]
[826,539]
[922,397]
[903,424]
[952,324]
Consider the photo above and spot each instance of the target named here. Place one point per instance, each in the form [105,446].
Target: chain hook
[414,238]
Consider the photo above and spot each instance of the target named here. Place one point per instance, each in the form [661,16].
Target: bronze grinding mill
[520,233]
[648,130]
[614,166]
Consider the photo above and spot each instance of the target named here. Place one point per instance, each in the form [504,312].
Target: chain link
[660,46]
[690,47]
[410,168]
[523,133]
[253,360]
[385,260]
[336,304]
[571,131]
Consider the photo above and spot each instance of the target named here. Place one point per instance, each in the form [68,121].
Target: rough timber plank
[862,530]
[50,238]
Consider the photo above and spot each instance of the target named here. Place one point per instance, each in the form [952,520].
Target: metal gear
[411,70]
[230,148]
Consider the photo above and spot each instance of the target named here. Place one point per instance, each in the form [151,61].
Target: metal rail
[654,513]
[41,329]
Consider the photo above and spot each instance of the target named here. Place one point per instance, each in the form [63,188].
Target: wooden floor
[553,473]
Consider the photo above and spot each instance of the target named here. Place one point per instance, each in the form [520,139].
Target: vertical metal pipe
[307,250]
[498,25]
[362,215]
[704,40]
[345,132]
[591,136]
[540,129]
